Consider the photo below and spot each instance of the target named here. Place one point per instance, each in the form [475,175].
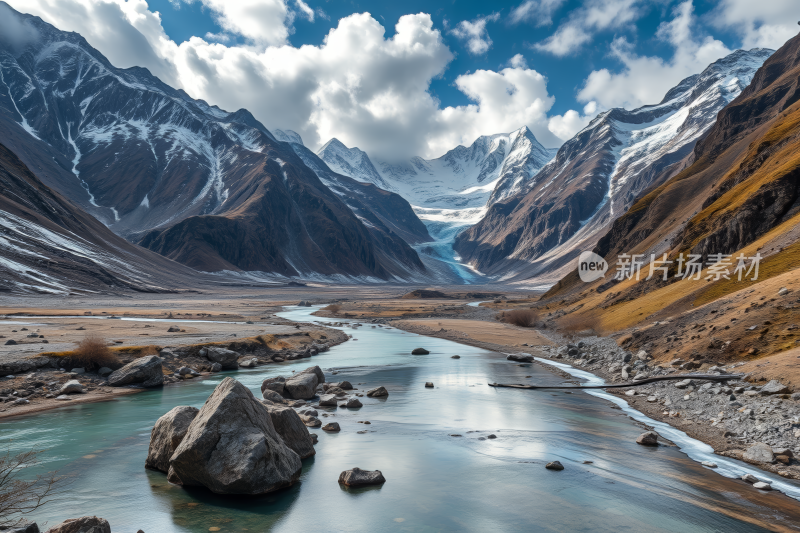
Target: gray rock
[774,387]
[167,435]
[648,438]
[455,357]
[419,351]
[709,464]
[358,478]
[85,524]
[331,427]
[216,367]
[314,438]
[11,342]
[520,357]
[275,384]
[228,359]
[762,485]
[310,421]
[63,398]
[250,362]
[272,396]
[105,371]
[292,430]
[302,386]
[232,447]
[683,384]
[353,403]
[783,451]
[750,478]
[554,465]
[327,400]
[758,453]
[79,370]
[72,386]
[429,384]
[378,392]
[146,371]
[344,385]
[16,367]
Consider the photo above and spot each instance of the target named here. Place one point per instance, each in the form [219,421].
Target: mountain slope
[597,175]
[203,186]
[741,195]
[48,245]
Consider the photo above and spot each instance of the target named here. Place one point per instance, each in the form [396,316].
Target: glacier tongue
[452,192]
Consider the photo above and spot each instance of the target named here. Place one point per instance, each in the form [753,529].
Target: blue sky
[417,78]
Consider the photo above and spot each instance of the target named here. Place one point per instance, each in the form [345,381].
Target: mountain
[211,189]
[739,196]
[451,192]
[598,174]
[50,246]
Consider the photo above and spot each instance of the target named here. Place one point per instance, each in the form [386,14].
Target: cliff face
[50,246]
[598,175]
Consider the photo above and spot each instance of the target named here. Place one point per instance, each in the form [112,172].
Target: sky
[399,79]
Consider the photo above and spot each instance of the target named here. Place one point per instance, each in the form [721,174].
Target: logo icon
[591,267]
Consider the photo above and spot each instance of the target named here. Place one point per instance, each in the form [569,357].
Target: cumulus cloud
[583,22]
[358,85]
[475,33]
[538,12]
[760,24]
[518,61]
[567,125]
[644,79]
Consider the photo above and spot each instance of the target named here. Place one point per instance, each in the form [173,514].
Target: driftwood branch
[701,377]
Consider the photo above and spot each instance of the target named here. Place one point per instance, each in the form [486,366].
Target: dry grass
[93,352]
[524,318]
[580,323]
[333,309]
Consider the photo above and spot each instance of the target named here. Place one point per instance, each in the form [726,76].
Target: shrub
[93,352]
[525,318]
[21,497]
[151,349]
[333,309]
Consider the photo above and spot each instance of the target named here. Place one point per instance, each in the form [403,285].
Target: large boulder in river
[520,357]
[232,447]
[378,392]
[274,384]
[272,396]
[358,478]
[84,524]
[145,371]
[167,435]
[648,438]
[303,385]
[291,429]
[419,351]
[228,359]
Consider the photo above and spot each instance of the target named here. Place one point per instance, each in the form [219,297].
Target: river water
[435,481]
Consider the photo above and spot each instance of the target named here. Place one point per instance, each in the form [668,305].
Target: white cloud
[263,22]
[567,125]
[475,33]
[645,79]
[518,61]
[539,12]
[306,11]
[358,85]
[583,22]
[767,24]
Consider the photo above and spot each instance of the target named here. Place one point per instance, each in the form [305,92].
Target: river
[435,481]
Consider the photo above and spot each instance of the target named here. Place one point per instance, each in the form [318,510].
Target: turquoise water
[435,482]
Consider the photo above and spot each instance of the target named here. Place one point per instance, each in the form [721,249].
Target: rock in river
[272,396]
[353,403]
[292,430]
[554,465]
[302,386]
[520,357]
[145,371]
[419,351]
[648,438]
[232,447]
[762,485]
[332,427]
[327,400]
[167,435]
[378,392]
[84,524]
[274,384]
[357,477]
